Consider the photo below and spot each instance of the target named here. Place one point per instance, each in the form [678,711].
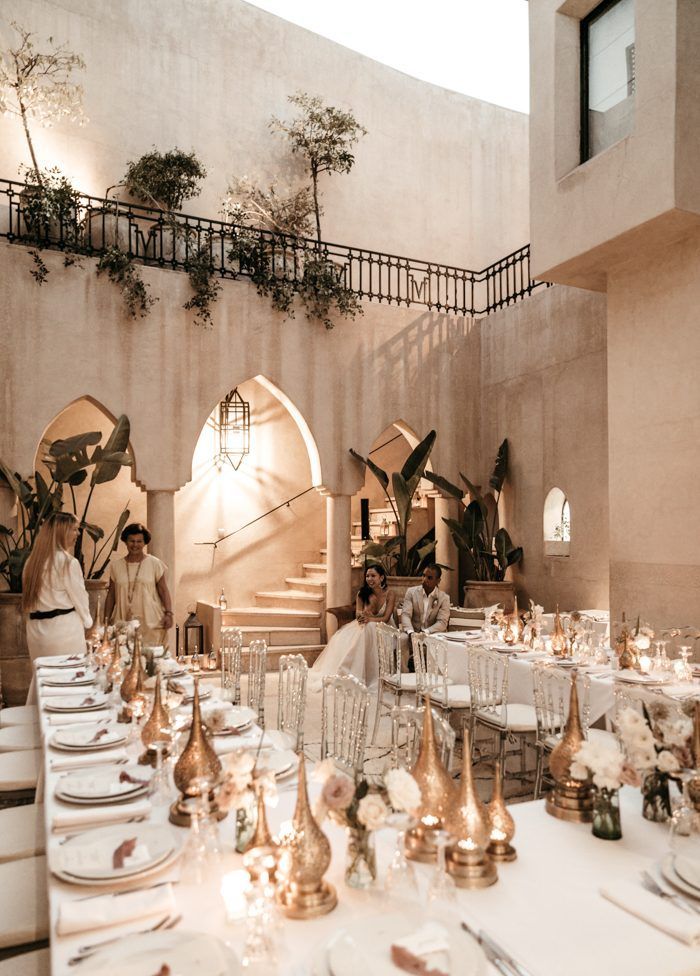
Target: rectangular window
[607,76]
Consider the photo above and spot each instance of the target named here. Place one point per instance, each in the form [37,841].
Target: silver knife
[501,959]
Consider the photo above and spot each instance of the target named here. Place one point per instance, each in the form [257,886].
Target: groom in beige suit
[426,609]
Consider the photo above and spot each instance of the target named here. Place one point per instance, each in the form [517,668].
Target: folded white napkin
[249,740]
[67,691]
[74,718]
[94,913]
[97,758]
[65,819]
[429,938]
[660,913]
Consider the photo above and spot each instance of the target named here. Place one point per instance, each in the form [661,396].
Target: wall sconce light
[233,430]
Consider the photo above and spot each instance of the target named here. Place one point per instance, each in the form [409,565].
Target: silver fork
[84,952]
[655,888]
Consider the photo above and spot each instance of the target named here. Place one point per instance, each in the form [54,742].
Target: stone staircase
[292,621]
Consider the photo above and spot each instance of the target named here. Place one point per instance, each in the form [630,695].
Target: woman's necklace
[131,586]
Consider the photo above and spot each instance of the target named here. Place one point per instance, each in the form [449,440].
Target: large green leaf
[500,468]
[77,478]
[444,485]
[114,454]
[503,544]
[402,494]
[381,476]
[13,480]
[94,531]
[67,466]
[472,489]
[415,462]
[76,444]
[474,521]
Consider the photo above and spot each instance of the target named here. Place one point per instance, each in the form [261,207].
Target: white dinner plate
[671,875]
[234,729]
[281,762]
[113,801]
[62,661]
[87,738]
[77,703]
[113,883]
[633,678]
[89,856]
[68,678]
[106,783]
[364,946]
[688,871]
[182,952]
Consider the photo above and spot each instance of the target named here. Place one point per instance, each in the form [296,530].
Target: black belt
[49,614]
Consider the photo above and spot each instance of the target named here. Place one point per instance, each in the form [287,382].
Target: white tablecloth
[546,907]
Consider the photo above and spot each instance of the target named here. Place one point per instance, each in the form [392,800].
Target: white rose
[324,770]
[645,759]
[372,811]
[404,792]
[667,762]
[241,763]
[579,771]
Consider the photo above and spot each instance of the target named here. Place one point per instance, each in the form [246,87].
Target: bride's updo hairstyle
[365,591]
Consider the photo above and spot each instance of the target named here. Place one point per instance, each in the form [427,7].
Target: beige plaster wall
[543,386]
[654,434]
[643,189]
[440,177]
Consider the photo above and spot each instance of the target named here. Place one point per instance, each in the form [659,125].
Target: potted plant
[404,562]
[486,552]
[69,462]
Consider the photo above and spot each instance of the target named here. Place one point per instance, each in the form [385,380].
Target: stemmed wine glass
[442,887]
[400,879]
[159,791]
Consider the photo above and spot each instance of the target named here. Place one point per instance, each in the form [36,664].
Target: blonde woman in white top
[53,592]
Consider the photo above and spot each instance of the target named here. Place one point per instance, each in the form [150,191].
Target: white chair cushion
[20,737]
[458,696]
[519,718]
[37,963]
[19,715]
[19,770]
[407,680]
[22,832]
[25,908]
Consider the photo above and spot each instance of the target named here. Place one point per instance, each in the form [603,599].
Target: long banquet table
[546,907]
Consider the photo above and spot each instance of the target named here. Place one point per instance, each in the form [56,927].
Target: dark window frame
[589,19]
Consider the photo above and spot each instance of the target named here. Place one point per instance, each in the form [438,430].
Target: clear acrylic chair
[231,647]
[430,659]
[291,699]
[344,703]
[488,684]
[257,669]
[392,680]
[406,730]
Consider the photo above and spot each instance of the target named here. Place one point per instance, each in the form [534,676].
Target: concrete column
[160,521]
[446,551]
[338,556]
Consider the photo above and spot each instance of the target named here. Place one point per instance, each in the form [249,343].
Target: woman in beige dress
[53,592]
[137,588]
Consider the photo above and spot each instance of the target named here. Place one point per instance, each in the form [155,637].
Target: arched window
[557,523]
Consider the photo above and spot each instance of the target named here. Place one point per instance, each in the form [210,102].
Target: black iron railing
[92,224]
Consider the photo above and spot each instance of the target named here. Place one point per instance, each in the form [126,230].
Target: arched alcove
[248,529]
[556,523]
[108,499]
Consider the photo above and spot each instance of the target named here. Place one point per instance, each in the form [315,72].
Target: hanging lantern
[234,429]
[193,635]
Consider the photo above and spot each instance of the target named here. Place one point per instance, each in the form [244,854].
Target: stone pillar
[338,556]
[446,551]
[160,521]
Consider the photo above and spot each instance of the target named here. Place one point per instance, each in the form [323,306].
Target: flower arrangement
[362,809]
[605,764]
[242,781]
[655,761]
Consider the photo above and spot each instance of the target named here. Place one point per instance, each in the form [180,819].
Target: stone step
[309,651]
[308,584]
[289,599]
[282,636]
[265,617]
[315,569]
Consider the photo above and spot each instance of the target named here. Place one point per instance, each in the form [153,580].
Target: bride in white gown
[353,649]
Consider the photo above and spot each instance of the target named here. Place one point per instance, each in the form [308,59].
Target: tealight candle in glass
[234,890]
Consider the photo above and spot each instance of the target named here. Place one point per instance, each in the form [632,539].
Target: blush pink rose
[338,792]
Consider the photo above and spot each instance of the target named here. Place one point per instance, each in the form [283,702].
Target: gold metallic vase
[198,761]
[571,799]
[559,643]
[437,792]
[261,850]
[467,860]
[304,858]
[152,731]
[501,824]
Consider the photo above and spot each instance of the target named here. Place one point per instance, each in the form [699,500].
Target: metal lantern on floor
[193,635]
[234,429]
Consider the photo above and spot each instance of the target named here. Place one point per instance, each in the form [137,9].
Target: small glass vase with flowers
[607,766]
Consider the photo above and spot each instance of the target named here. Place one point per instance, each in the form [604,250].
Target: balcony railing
[173,240]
